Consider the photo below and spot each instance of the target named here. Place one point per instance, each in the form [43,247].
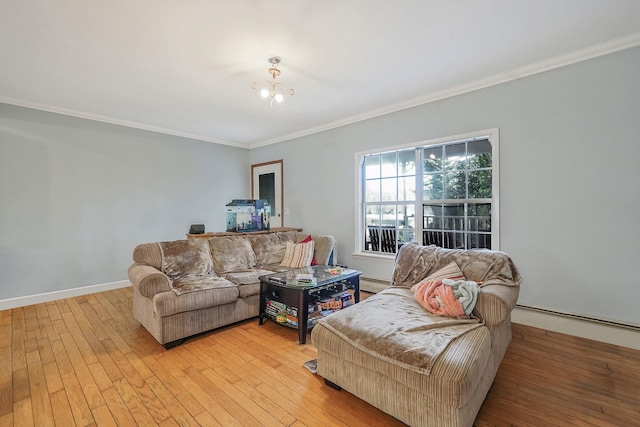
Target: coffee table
[286,288]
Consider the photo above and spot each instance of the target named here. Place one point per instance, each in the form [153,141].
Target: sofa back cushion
[415,262]
[231,253]
[186,258]
[269,248]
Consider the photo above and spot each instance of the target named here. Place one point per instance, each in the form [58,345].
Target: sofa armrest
[148,280]
[495,303]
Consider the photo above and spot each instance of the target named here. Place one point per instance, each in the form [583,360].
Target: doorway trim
[277,167]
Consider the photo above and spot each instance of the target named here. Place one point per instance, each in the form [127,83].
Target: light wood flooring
[85,361]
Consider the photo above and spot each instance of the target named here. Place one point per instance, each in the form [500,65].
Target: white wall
[569,174]
[77,196]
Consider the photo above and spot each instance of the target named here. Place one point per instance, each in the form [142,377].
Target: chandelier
[272,90]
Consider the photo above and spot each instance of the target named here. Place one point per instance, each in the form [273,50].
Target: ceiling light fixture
[269,88]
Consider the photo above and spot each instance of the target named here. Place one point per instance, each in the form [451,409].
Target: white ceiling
[186,67]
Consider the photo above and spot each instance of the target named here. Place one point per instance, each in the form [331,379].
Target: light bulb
[264,93]
[279,97]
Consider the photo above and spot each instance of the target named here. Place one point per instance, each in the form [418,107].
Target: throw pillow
[307,240]
[449,271]
[298,255]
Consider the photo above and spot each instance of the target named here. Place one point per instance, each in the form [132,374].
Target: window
[440,193]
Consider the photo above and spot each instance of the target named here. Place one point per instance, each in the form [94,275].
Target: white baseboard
[372,285]
[10,303]
[611,334]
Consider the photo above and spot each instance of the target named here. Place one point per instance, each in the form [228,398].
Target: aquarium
[245,215]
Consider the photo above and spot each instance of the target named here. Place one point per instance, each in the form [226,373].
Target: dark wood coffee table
[285,288]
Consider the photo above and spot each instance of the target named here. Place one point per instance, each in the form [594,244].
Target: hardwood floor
[85,361]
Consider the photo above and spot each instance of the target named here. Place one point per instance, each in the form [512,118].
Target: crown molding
[601,49]
[116,121]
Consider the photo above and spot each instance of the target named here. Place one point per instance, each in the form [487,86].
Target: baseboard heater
[635,328]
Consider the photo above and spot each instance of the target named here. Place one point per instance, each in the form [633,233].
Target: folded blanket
[465,291]
[446,297]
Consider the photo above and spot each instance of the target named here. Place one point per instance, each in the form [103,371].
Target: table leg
[263,304]
[303,316]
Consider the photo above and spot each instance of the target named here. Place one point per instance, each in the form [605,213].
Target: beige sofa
[186,287]
[423,369]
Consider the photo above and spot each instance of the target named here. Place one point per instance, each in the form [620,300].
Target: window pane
[455,185]
[432,217]
[479,240]
[432,159]
[454,240]
[388,215]
[372,215]
[455,156]
[372,166]
[389,189]
[479,217]
[407,162]
[480,184]
[479,154]
[407,188]
[372,190]
[389,165]
[454,216]
[406,236]
[407,216]
[433,187]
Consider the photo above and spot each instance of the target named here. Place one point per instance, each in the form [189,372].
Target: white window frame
[493,135]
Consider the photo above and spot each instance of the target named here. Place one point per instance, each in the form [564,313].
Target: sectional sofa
[423,369]
[185,287]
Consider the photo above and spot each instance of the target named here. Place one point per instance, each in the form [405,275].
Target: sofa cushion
[392,326]
[186,257]
[269,248]
[248,282]
[168,303]
[231,253]
[298,255]
[194,283]
[414,262]
[453,378]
